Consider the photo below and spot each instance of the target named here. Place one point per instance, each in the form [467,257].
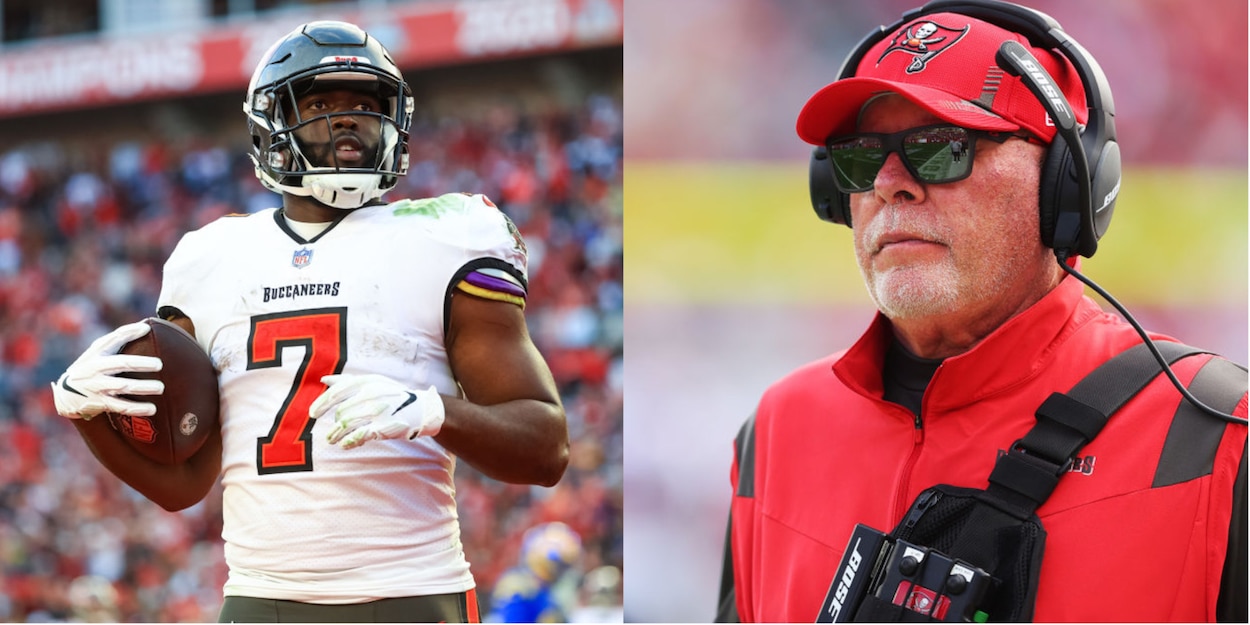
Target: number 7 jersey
[305,520]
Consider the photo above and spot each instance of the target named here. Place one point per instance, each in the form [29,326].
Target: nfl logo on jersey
[302,257]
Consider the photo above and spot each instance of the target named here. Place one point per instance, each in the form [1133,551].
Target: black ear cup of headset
[1077,195]
[830,204]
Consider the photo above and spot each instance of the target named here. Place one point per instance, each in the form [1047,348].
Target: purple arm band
[492,283]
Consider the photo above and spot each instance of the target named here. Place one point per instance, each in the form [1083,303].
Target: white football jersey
[305,520]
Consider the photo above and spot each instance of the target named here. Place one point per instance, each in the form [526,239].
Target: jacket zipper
[900,501]
[924,502]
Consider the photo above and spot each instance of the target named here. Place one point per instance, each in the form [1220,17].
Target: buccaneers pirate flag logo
[923,40]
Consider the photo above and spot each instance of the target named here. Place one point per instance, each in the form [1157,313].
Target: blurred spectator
[601,597]
[541,587]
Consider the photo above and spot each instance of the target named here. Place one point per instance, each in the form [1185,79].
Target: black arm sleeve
[1231,606]
[727,610]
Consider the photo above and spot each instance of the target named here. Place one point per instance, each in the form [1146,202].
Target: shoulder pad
[469,221]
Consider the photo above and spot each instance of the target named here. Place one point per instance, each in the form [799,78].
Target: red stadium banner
[60,75]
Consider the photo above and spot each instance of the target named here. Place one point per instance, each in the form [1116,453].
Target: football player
[362,347]
[527,592]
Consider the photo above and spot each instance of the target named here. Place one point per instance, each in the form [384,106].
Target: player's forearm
[520,442]
[171,487]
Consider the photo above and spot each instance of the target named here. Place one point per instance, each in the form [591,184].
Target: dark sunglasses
[933,154]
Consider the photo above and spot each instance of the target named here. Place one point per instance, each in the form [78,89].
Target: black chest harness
[974,555]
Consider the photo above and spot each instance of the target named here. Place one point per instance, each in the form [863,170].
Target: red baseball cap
[944,63]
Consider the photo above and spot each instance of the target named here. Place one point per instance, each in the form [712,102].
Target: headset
[1080,175]
[1080,168]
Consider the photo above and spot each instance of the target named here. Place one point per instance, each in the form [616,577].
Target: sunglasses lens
[939,154]
[934,154]
[856,161]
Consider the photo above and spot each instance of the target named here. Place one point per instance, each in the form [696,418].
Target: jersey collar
[279,217]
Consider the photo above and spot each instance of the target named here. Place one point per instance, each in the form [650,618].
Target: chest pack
[975,555]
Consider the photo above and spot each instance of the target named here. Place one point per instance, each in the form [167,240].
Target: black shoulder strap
[1027,474]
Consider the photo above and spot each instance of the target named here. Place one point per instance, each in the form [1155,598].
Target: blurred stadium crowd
[83,236]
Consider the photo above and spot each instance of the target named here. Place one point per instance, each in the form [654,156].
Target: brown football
[187,411]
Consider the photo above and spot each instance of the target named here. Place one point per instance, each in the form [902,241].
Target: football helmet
[321,56]
[550,549]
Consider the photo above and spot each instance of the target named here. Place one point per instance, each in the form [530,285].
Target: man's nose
[894,180]
[345,121]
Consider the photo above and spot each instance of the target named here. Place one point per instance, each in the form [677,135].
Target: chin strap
[345,191]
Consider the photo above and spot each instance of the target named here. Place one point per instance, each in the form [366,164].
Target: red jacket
[1136,531]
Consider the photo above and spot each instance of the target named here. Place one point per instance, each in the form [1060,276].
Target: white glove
[370,407]
[89,386]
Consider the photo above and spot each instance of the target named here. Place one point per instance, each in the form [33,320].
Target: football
[187,411]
